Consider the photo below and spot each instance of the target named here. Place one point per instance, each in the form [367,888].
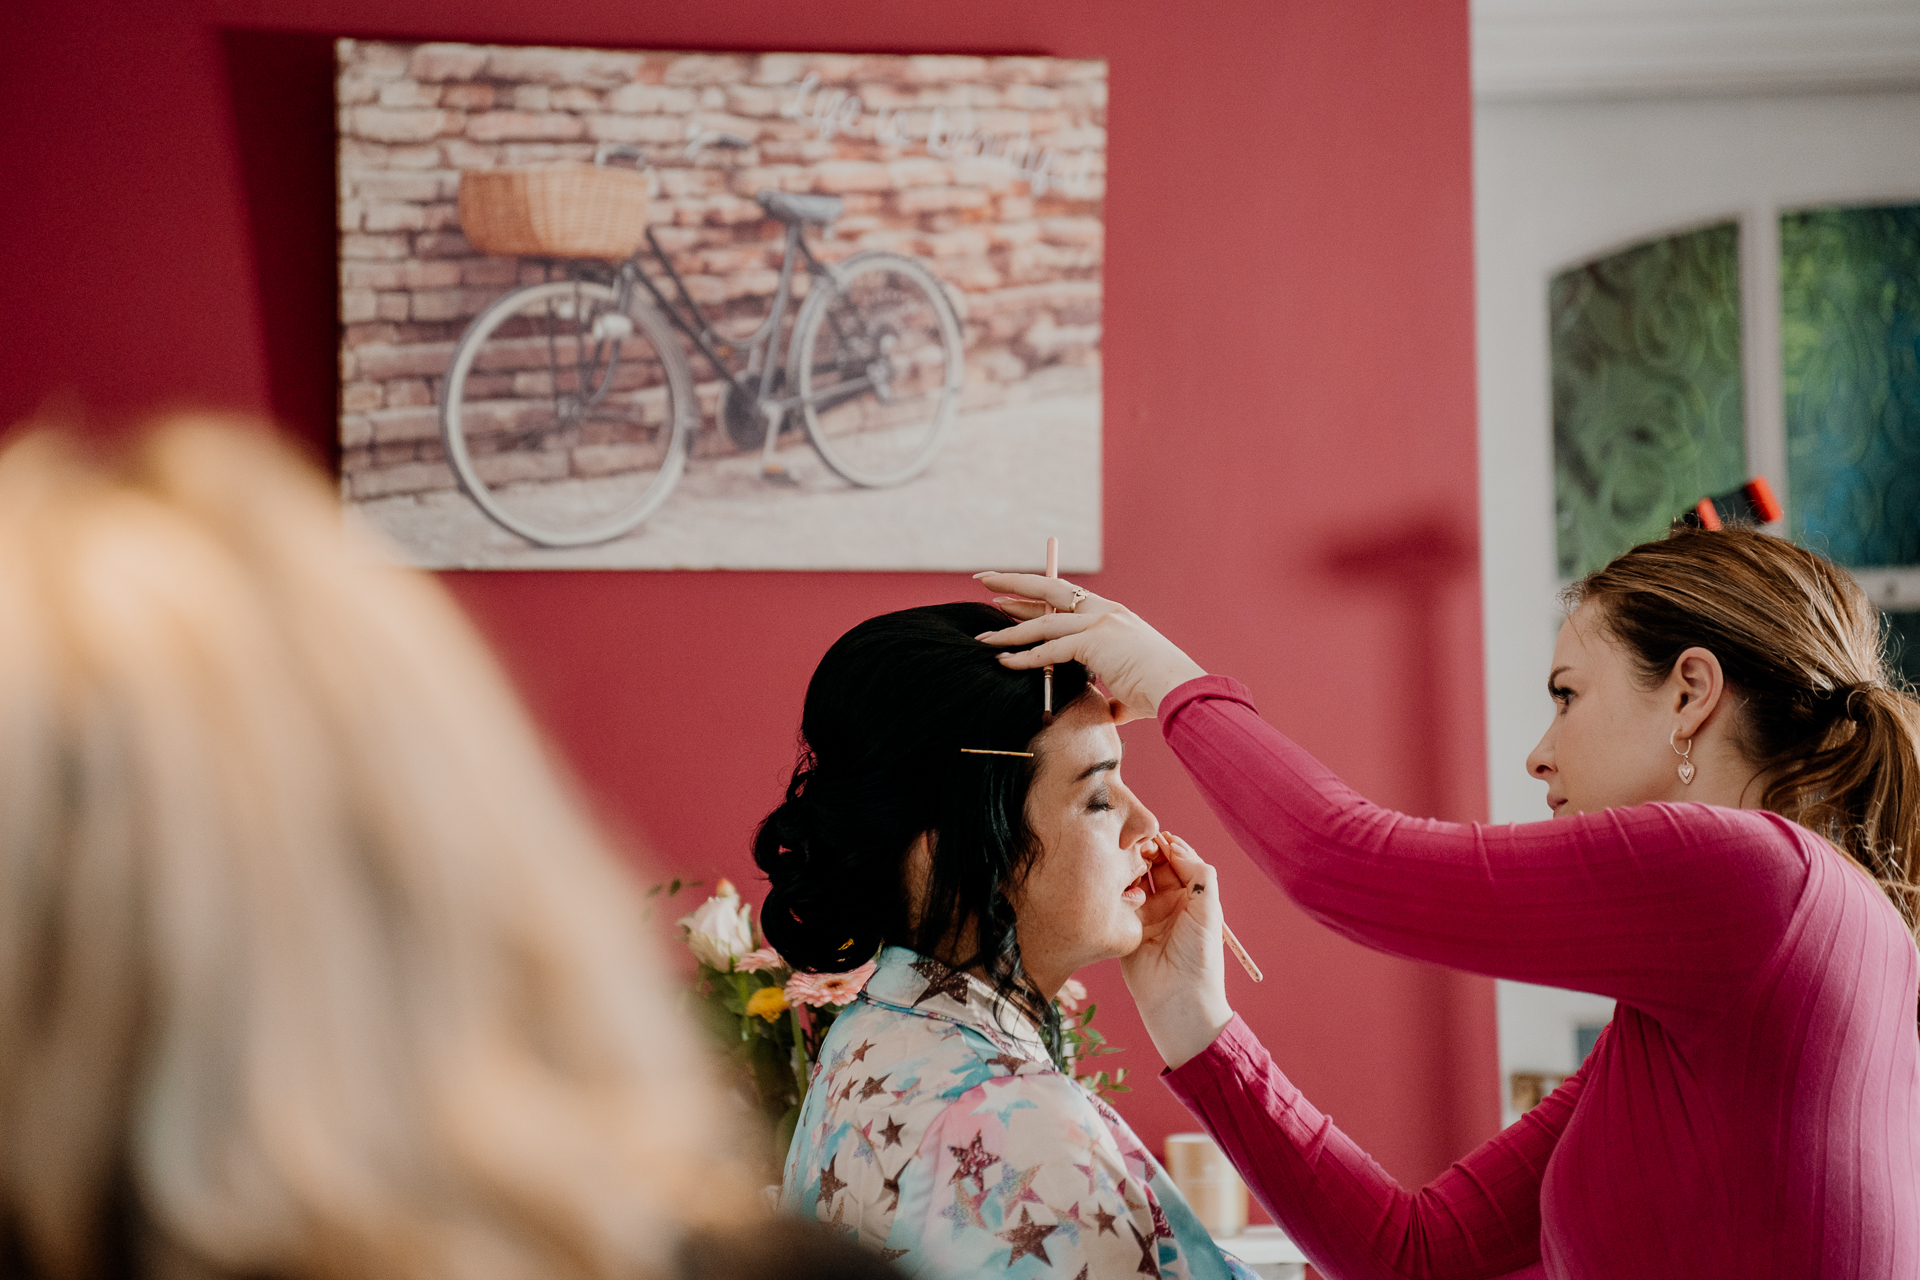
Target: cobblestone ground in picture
[1007,479]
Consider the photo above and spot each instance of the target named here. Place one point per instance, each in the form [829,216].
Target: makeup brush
[1240,953]
[1165,840]
[1053,571]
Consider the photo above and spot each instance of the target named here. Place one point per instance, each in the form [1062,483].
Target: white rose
[720,931]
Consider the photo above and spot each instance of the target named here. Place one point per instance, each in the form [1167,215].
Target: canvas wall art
[669,310]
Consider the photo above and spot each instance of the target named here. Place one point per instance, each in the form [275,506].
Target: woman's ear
[1695,687]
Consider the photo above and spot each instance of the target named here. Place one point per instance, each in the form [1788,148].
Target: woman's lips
[1136,893]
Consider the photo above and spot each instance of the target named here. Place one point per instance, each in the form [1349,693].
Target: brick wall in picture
[1021,259]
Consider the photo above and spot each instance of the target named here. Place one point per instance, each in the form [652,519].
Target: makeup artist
[1736,794]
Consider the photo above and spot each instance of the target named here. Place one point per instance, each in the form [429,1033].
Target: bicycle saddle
[796,209]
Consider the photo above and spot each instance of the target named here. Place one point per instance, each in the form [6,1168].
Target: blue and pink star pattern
[938,1130]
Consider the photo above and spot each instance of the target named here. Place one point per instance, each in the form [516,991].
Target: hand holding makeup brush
[1137,664]
[1178,972]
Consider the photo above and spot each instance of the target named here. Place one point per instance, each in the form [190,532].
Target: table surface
[1259,1245]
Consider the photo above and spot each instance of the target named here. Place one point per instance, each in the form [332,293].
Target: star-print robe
[937,1129]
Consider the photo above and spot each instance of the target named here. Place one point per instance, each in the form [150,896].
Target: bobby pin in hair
[982,751]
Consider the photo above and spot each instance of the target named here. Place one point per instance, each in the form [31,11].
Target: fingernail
[984,573]
[983,635]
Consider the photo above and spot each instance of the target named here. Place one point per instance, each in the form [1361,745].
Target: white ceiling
[1548,49]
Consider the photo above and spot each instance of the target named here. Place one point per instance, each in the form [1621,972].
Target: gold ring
[1079,594]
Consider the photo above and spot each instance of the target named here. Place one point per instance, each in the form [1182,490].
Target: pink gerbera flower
[816,989]
[755,961]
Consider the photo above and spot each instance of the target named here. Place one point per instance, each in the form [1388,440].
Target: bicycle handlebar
[620,151]
[698,138]
[608,151]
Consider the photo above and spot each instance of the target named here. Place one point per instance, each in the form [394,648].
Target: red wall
[1289,418]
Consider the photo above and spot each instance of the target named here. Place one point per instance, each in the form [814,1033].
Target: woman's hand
[1138,665]
[1178,973]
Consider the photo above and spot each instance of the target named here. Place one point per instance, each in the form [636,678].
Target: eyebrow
[1105,766]
[1553,676]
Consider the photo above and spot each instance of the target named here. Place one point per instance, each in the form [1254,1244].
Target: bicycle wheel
[876,359]
[567,420]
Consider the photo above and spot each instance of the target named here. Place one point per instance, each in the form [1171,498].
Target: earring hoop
[1686,770]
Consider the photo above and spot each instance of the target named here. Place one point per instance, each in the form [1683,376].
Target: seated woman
[986,851]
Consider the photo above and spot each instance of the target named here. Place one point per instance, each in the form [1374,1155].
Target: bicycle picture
[569,403]
[616,309]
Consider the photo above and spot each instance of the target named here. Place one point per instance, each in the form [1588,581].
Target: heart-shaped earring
[1686,765]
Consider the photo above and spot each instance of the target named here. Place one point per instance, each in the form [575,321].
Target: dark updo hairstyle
[887,713]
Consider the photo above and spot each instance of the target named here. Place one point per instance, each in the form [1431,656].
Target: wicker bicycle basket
[556,211]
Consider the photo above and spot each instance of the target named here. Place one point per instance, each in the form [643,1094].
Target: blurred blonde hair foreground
[310,965]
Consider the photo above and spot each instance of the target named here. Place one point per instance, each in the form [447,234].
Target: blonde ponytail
[1861,788]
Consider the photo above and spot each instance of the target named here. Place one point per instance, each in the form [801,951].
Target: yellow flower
[768,1003]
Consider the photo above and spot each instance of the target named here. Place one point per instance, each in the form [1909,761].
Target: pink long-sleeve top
[1752,1111]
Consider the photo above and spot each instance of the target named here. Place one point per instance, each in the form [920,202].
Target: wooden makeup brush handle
[1240,953]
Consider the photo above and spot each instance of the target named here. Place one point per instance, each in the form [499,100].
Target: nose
[1540,759]
[1140,822]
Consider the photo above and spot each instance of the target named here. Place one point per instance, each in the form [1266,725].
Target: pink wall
[1289,415]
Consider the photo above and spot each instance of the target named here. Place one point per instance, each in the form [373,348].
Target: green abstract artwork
[1850,353]
[1647,395]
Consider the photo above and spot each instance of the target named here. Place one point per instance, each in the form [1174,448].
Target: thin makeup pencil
[1053,571]
[1233,944]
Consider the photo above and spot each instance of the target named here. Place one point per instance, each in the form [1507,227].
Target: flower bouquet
[770,1021]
